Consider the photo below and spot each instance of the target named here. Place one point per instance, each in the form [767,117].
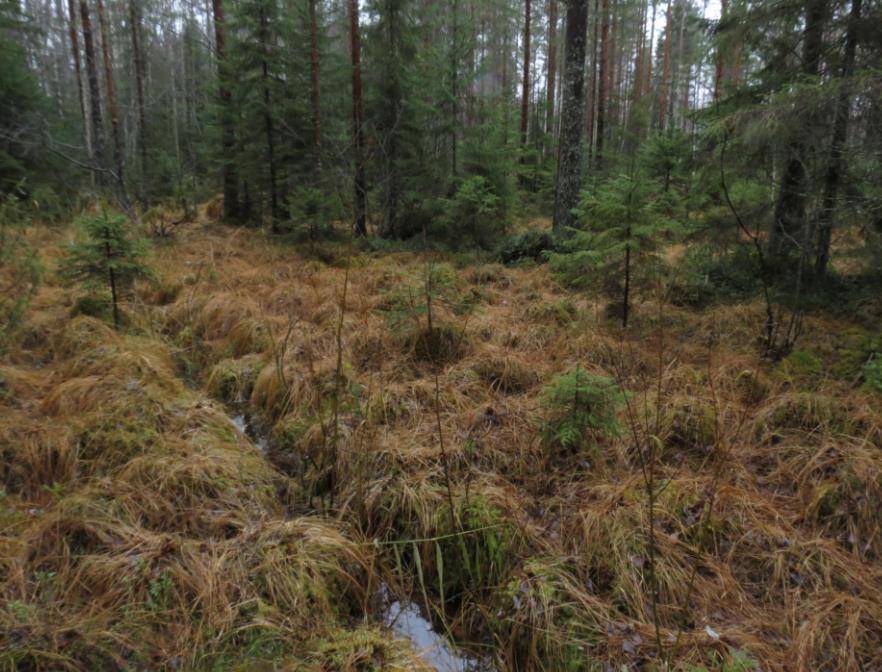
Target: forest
[452,335]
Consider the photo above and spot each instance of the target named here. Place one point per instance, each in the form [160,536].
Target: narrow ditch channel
[402,616]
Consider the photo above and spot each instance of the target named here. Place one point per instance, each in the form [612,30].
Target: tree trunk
[111,94]
[721,63]
[603,87]
[454,84]
[666,71]
[593,93]
[314,86]
[552,67]
[789,227]
[840,133]
[268,120]
[569,174]
[228,131]
[94,90]
[78,71]
[138,56]
[392,109]
[525,95]
[357,117]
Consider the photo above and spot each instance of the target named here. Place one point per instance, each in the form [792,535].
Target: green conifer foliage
[109,256]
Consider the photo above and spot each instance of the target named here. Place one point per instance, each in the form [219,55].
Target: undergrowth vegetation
[555,493]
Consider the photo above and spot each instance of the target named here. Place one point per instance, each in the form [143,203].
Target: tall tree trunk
[138,57]
[789,226]
[603,87]
[228,131]
[111,94]
[314,86]
[666,70]
[94,90]
[454,83]
[720,60]
[268,119]
[357,117]
[525,96]
[569,174]
[392,108]
[78,72]
[593,92]
[552,67]
[840,133]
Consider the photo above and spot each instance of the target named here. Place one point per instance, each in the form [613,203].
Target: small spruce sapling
[627,223]
[580,407]
[108,256]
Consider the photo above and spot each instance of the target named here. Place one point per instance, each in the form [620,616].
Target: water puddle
[407,622]
[256,437]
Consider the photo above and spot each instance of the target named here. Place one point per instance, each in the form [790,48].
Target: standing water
[408,623]
[242,425]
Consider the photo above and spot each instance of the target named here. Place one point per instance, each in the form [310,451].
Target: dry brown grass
[118,474]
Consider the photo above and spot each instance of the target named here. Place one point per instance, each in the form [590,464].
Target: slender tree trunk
[789,228]
[392,118]
[454,84]
[357,116]
[593,93]
[314,86]
[228,142]
[569,174]
[111,94]
[552,67]
[525,95]
[721,61]
[840,133]
[268,120]
[94,89]
[666,71]
[138,57]
[603,87]
[78,72]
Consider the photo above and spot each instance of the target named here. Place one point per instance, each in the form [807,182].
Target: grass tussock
[142,529]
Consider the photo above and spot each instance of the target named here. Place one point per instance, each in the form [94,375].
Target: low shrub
[530,245]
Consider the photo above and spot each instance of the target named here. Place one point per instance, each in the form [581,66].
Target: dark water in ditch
[404,619]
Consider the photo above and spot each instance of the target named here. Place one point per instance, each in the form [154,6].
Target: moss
[690,424]
[802,364]
[365,649]
[232,380]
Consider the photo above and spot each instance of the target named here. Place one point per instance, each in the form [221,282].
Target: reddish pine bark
[111,93]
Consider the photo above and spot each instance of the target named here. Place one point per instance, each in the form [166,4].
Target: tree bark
[721,63]
[78,71]
[111,94]
[666,71]
[569,174]
[788,231]
[315,91]
[840,133]
[552,67]
[603,86]
[138,57]
[228,132]
[357,121]
[268,119]
[94,90]
[525,95]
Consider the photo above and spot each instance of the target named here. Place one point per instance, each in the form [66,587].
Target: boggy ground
[140,529]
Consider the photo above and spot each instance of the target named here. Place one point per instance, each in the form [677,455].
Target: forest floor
[141,529]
